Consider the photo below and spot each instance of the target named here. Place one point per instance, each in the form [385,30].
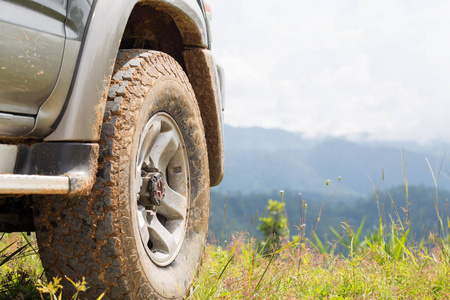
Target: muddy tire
[141,231]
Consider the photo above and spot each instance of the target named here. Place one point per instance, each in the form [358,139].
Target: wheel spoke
[148,142]
[161,238]
[143,224]
[163,150]
[174,205]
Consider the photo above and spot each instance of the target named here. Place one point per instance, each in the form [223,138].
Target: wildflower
[303,225]
[80,286]
[339,178]
[281,192]
[51,288]
[328,182]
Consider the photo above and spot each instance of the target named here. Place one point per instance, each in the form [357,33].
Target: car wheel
[141,231]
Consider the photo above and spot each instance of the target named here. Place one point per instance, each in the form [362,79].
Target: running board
[34,184]
[48,168]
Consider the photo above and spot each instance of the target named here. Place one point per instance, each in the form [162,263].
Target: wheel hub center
[152,190]
[159,190]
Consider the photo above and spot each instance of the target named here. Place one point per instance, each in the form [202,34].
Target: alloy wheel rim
[162,189]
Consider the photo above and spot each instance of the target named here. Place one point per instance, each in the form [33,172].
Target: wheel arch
[138,24]
[180,38]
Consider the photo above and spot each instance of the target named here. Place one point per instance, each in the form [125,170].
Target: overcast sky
[369,69]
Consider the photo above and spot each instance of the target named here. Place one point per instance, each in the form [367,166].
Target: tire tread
[80,236]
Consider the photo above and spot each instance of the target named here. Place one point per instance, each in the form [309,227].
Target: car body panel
[78,12]
[37,65]
[31,50]
[15,125]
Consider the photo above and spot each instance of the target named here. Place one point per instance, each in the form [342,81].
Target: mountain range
[263,160]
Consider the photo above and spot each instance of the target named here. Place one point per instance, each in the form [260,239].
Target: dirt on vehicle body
[114,175]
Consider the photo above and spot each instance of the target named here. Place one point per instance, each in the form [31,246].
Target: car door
[32,37]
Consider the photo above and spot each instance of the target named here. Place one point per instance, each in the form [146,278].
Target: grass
[382,266]
[20,266]
[387,263]
[22,275]
[299,271]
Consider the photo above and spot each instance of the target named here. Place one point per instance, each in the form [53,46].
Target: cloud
[378,69]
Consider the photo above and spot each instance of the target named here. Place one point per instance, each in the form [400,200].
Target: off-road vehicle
[110,138]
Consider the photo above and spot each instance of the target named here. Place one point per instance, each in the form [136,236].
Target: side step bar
[33,184]
[48,168]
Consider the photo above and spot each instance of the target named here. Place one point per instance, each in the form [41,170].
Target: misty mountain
[264,160]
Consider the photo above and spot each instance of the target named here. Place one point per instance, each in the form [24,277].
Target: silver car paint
[29,58]
[42,82]
[54,104]
[78,12]
[8,158]
[77,19]
[15,125]
[91,79]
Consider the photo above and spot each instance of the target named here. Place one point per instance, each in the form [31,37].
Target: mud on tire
[103,236]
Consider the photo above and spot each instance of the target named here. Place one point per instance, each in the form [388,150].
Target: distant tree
[273,225]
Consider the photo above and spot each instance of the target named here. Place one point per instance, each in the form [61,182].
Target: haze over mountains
[263,160]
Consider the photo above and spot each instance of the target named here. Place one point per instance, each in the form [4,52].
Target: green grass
[386,263]
[22,275]
[377,267]
[20,266]
[299,271]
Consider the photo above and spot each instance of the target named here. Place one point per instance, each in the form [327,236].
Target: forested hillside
[260,162]
[243,210]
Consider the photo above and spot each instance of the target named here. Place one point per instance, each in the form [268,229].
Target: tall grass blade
[358,233]
[396,212]
[6,248]
[339,237]
[264,273]
[408,204]
[212,288]
[399,245]
[435,179]
[251,271]
[10,256]
[287,245]
[319,245]
[27,240]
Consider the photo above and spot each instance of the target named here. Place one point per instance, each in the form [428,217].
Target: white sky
[369,69]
